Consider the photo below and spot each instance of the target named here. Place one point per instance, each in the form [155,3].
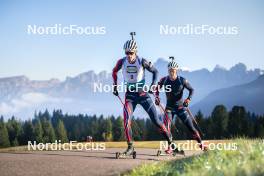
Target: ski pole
[123,104]
[190,113]
[120,100]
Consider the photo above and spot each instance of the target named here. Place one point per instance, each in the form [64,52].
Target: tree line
[47,127]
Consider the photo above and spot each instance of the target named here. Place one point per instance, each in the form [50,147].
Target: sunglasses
[129,53]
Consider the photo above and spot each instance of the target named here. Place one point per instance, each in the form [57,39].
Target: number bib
[133,73]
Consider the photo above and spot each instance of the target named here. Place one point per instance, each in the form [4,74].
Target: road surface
[66,163]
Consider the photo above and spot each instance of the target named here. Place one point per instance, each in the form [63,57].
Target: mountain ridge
[75,94]
[249,95]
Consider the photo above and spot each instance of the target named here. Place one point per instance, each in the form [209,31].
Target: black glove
[115,92]
[152,87]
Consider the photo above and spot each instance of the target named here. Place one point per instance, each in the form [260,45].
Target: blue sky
[44,57]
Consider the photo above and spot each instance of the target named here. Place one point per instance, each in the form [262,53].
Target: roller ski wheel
[174,153]
[163,153]
[118,155]
[158,152]
[178,152]
[134,155]
[126,155]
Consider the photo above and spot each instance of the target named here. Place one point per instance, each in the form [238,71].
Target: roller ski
[203,147]
[170,152]
[130,152]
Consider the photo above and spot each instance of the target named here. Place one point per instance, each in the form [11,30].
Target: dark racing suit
[139,97]
[174,104]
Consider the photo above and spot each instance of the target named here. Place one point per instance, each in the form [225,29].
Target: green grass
[248,159]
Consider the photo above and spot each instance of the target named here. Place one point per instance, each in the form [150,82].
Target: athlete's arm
[117,67]
[188,86]
[151,69]
[160,84]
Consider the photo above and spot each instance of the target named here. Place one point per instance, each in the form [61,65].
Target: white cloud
[29,100]
[5,108]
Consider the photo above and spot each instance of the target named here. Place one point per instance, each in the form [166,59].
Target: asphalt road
[51,163]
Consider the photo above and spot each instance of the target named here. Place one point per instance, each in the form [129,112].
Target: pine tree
[182,131]
[203,123]
[118,129]
[107,134]
[237,124]
[4,138]
[48,131]
[140,127]
[250,121]
[135,128]
[76,133]
[259,127]
[38,132]
[28,132]
[153,132]
[219,122]
[15,131]
[108,131]
[61,132]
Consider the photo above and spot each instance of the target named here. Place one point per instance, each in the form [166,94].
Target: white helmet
[131,45]
[172,64]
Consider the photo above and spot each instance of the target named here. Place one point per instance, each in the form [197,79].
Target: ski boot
[130,151]
[203,147]
[178,152]
[170,151]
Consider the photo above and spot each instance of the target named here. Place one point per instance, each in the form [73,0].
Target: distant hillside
[250,95]
[21,96]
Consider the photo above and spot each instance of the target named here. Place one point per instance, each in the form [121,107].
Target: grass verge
[248,159]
